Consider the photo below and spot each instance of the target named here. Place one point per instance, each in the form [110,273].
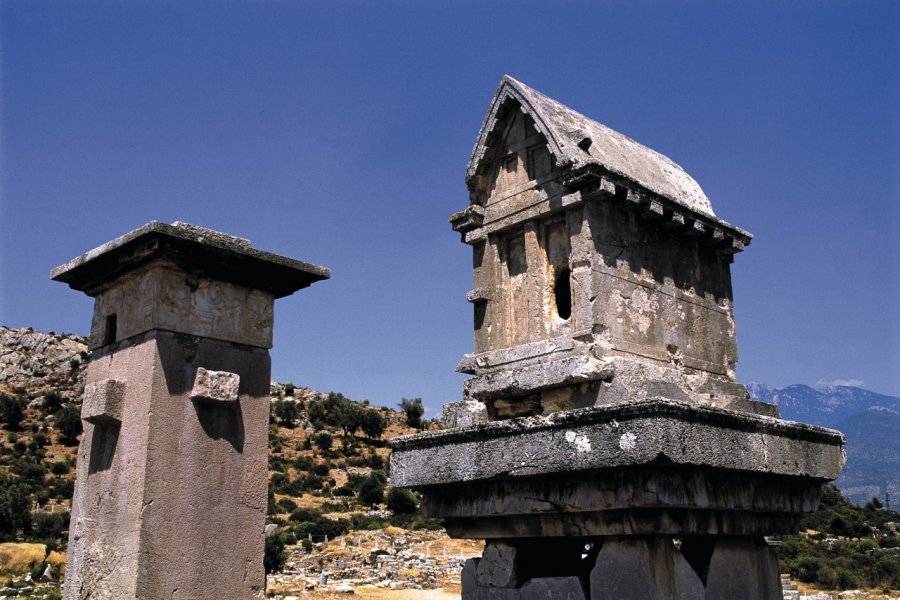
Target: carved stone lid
[197,250]
[577,141]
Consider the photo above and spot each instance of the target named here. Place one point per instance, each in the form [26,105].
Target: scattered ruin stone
[464,414]
[389,558]
[620,458]
[170,494]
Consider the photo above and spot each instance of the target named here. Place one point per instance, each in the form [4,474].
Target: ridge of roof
[578,141]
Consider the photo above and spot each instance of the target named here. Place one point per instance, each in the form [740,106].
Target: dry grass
[372,593]
[18,559]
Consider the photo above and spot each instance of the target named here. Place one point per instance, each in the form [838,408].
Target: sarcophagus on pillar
[609,452]
[171,487]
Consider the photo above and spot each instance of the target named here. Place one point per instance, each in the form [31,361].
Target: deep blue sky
[338,133]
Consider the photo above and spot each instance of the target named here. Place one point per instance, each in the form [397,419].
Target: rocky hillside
[34,364]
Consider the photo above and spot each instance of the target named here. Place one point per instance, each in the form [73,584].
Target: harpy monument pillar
[171,487]
[603,448]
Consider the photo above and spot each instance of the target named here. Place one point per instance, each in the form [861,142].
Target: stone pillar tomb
[171,488]
[603,448]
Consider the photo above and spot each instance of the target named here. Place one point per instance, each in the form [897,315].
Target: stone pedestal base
[646,500]
[625,568]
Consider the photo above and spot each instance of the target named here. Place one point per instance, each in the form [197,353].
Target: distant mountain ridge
[825,406]
[870,421]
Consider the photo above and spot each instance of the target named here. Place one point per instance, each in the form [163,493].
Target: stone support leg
[643,568]
[700,567]
[549,569]
[743,568]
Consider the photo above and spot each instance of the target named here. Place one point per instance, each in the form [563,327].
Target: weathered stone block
[552,588]
[464,413]
[537,588]
[497,568]
[743,568]
[622,435]
[103,402]
[587,230]
[216,387]
[644,568]
[185,279]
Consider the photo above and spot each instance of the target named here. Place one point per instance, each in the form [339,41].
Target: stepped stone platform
[588,503]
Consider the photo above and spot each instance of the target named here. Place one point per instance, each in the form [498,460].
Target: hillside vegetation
[843,546]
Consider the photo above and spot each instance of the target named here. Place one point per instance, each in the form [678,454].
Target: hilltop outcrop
[34,364]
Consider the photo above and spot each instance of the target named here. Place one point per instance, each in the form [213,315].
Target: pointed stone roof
[577,141]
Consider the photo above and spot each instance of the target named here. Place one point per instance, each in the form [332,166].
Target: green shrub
[304,463]
[287,412]
[414,410]
[373,423]
[286,505]
[322,527]
[68,423]
[52,402]
[60,468]
[856,559]
[15,509]
[12,411]
[323,440]
[61,489]
[402,502]
[301,515]
[368,522]
[49,526]
[371,492]
[277,463]
[29,470]
[375,461]
[345,490]
[275,555]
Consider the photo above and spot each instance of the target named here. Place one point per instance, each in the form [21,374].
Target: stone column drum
[603,448]
[170,495]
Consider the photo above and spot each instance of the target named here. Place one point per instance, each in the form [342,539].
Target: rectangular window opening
[109,333]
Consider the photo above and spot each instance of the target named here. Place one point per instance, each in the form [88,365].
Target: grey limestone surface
[620,459]
[640,568]
[600,272]
[497,567]
[200,250]
[644,568]
[176,479]
[216,387]
[567,133]
[464,413]
[622,435]
[102,402]
[170,490]
[536,588]
[743,568]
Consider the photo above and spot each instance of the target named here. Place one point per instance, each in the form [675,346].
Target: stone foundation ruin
[603,448]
